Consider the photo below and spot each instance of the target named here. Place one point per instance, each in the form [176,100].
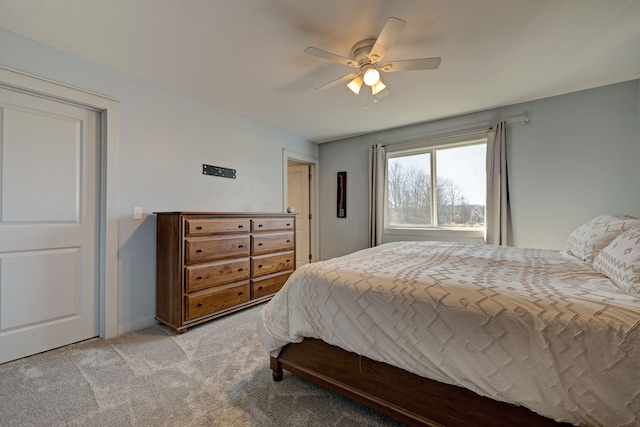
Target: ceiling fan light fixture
[367,55]
[378,87]
[355,84]
[371,76]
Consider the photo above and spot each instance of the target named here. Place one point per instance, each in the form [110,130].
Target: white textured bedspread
[532,327]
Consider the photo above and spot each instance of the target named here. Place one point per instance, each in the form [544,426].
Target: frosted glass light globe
[371,76]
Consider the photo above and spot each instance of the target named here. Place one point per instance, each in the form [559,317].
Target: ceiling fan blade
[338,81]
[314,51]
[411,64]
[387,37]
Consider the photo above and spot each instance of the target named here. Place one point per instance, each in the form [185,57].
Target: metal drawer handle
[259,225]
[200,277]
[241,269]
[288,241]
[241,246]
[260,266]
[288,225]
[240,293]
[241,226]
[260,288]
[288,260]
[259,244]
[199,227]
[199,251]
[199,304]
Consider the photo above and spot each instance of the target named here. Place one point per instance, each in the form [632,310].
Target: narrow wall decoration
[342,194]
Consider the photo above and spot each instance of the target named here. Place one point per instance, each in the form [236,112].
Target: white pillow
[590,238]
[620,261]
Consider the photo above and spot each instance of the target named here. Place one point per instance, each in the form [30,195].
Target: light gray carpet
[215,374]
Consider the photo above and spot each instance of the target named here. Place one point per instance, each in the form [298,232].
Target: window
[441,187]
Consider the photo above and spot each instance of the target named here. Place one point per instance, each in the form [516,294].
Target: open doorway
[300,192]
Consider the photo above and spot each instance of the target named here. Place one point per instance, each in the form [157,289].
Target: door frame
[314,163]
[108,110]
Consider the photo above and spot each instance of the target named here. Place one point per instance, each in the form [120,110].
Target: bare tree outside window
[409,189]
[460,190]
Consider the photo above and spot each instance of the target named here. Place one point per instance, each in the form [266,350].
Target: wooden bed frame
[411,399]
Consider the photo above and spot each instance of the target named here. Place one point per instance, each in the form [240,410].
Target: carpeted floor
[215,374]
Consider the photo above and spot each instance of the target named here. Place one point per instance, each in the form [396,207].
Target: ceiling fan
[366,56]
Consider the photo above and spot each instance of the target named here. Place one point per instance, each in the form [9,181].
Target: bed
[465,334]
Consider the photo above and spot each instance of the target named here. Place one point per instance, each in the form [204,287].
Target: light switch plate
[137,212]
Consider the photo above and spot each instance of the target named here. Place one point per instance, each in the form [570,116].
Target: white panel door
[49,291]
[298,198]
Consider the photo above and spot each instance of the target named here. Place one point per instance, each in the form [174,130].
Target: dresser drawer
[269,264]
[217,299]
[271,242]
[203,276]
[271,224]
[201,227]
[199,249]
[268,285]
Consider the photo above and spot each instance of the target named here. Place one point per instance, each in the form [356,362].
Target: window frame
[421,147]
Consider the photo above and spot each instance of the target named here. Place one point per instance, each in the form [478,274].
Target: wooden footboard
[409,398]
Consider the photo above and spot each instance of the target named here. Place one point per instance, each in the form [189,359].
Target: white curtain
[497,208]
[377,172]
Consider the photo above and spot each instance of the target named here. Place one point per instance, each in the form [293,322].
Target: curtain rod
[519,122]
[452,135]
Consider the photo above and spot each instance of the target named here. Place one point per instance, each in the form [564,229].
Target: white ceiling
[246,56]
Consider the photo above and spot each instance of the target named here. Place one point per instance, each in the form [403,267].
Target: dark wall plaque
[218,171]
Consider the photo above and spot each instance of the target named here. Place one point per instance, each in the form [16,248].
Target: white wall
[164,140]
[576,159]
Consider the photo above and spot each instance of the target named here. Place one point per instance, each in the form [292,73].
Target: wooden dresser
[210,264]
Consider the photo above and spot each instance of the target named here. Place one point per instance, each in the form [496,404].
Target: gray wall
[577,158]
[164,140]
